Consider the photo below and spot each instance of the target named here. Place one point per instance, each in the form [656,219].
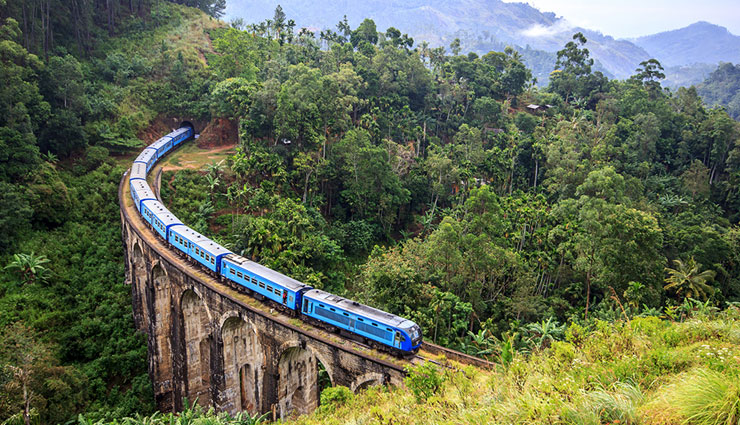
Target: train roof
[363,310]
[142,189]
[203,242]
[178,132]
[138,171]
[267,273]
[162,213]
[146,155]
[161,142]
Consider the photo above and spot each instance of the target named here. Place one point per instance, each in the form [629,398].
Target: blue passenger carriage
[138,171]
[180,135]
[371,323]
[148,156]
[198,247]
[159,217]
[266,282]
[140,192]
[162,146]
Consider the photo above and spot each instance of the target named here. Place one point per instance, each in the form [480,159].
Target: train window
[346,314]
[269,288]
[213,261]
[239,274]
[254,281]
[197,251]
[262,285]
[389,329]
[374,324]
[330,308]
[360,319]
[321,305]
[232,271]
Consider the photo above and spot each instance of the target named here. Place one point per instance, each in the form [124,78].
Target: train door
[398,339]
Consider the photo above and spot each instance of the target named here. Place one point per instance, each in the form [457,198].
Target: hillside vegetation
[722,88]
[413,180]
[69,100]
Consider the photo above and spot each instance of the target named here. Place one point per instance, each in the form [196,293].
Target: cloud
[539,30]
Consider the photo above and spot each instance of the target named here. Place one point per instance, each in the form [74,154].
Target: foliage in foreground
[643,371]
[195,415]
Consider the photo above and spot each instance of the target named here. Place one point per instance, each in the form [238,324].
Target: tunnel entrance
[189,124]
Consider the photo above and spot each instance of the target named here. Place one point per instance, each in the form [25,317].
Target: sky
[633,18]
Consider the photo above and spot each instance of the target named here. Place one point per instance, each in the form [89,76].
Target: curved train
[378,328]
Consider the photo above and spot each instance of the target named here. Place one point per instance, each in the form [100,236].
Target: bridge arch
[198,342]
[367,380]
[243,364]
[298,367]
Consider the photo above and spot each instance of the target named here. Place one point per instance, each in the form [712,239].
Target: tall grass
[618,404]
[706,397]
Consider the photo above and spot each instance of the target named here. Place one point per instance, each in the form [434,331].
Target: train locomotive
[382,330]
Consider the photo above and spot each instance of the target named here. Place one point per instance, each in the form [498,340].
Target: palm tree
[31,267]
[215,168]
[50,157]
[687,280]
[213,183]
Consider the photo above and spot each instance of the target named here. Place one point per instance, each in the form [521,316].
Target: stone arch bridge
[227,350]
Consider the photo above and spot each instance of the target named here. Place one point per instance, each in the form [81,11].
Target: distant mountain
[439,22]
[701,42]
[688,54]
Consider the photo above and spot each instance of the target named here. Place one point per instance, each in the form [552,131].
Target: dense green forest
[417,180]
[77,87]
[722,88]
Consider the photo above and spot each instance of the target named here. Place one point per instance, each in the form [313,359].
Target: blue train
[375,327]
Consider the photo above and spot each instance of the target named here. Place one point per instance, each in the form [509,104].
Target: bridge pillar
[198,341]
[243,365]
[160,337]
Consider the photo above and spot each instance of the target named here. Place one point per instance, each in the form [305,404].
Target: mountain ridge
[482,24]
[680,47]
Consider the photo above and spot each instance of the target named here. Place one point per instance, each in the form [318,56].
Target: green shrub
[563,352]
[575,334]
[423,380]
[333,397]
